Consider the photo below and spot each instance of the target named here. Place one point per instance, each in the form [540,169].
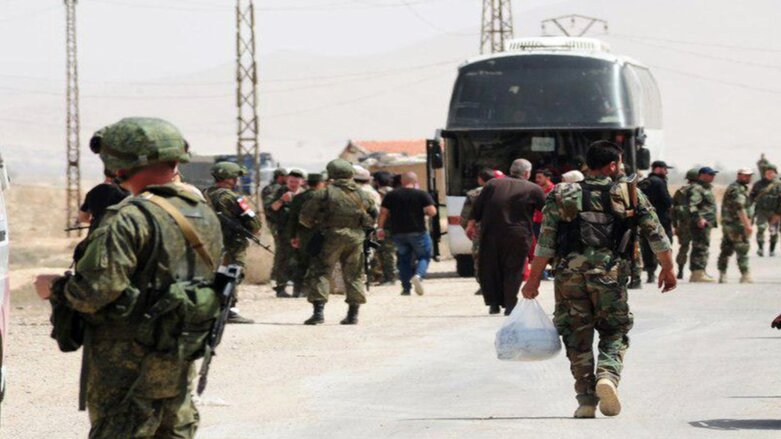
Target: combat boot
[235,318]
[680,272]
[586,412]
[651,278]
[722,277]
[317,314]
[700,276]
[635,284]
[761,250]
[352,315]
[281,293]
[772,248]
[745,278]
[609,404]
[494,309]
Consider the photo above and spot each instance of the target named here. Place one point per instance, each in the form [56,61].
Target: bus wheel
[465,265]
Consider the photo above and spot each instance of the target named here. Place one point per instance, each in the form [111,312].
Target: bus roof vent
[557,43]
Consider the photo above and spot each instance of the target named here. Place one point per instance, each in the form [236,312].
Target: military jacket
[342,205]
[565,202]
[131,258]
[280,216]
[236,208]
[466,211]
[265,194]
[735,201]
[765,195]
[294,227]
[680,211]
[702,203]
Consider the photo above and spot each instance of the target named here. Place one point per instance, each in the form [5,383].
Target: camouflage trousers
[236,256]
[734,241]
[700,248]
[763,223]
[173,418]
[384,261]
[586,303]
[684,239]
[344,246]
[283,255]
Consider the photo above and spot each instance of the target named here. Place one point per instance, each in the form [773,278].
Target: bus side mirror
[643,159]
[434,154]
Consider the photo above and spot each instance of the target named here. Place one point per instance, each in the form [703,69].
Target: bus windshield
[540,91]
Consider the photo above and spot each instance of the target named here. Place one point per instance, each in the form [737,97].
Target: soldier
[681,219]
[702,210]
[736,226]
[278,208]
[279,180]
[340,214]
[486,175]
[764,196]
[131,260]
[386,254]
[300,235]
[234,207]
[590,283]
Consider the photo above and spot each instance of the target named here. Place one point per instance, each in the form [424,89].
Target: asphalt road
[703,362]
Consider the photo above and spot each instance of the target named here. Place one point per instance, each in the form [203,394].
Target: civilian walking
[406,210]
[504,210]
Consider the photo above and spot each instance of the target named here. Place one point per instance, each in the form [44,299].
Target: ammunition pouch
[68,326]
[597,229]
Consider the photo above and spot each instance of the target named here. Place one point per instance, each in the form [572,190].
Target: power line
[335,6]
[718,81]
[34,12]
[700,43]
[410,7]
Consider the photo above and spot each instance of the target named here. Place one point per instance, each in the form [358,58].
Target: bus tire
[465,265]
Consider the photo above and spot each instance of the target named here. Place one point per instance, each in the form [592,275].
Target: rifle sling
[190,234]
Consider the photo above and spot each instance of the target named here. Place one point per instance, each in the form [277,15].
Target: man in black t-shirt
[100,198]
[406,209]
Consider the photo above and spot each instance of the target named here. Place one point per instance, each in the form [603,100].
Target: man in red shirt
[543,178]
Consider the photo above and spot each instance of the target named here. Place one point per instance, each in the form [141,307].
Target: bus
[543,99]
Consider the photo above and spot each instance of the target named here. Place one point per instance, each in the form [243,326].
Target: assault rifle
[630,235]
[370,245]
[241,230]
[75,228]
[225,282]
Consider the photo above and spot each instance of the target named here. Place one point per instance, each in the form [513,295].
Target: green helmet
[769,167]
[280,172]
[340,169]
[137,142]
[693,174]
[225,170]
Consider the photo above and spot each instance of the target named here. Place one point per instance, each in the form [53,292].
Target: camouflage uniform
[342,212]
[590,285]
[386,254]
[681,219]
[133,390]
[283,251]
[765,194]
[265,194]
[702,205]
[466,212]
[735,239]
[301,261]
[236,208]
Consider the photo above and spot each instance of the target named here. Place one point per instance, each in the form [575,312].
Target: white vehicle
[544,99]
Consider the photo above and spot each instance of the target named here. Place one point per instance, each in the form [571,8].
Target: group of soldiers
[694,215]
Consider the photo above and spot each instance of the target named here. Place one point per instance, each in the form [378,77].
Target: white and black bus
[544,99]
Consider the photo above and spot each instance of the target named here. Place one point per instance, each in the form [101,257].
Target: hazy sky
[717,62]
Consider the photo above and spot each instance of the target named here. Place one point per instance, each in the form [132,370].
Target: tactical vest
[347,209]
[767,198]
[593,227]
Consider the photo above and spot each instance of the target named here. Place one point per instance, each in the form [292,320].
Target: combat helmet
[225,170]
[137,142]
[693,174]
[340,169]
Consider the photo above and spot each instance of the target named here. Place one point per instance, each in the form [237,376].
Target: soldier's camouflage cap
[280,172]
[314,178]
[226,170]
[769,167]
[137,142]
[340,169]
[692,174]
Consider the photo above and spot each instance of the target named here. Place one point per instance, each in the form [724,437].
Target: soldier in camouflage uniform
[342,213]
[279,181]
[300,235]
[138,251]
[702,211]
[483,177]
[386,254]
[277,207]
[736,226]
[590,283]
[234,207]
[682,220]
[765,194]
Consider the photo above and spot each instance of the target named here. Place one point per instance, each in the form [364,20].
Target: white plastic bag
[527,334]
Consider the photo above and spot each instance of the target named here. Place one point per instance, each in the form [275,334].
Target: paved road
[703,363]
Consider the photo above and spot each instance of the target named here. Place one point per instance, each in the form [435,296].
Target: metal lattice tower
[247,92]
[72,123]
[497,25]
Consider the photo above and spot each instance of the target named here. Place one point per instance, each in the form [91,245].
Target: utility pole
[247,93]
[497,25]
[572,25]
[72,123]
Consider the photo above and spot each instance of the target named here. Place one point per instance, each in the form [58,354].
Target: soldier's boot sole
[609,404]
[314,321]
[586,412]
